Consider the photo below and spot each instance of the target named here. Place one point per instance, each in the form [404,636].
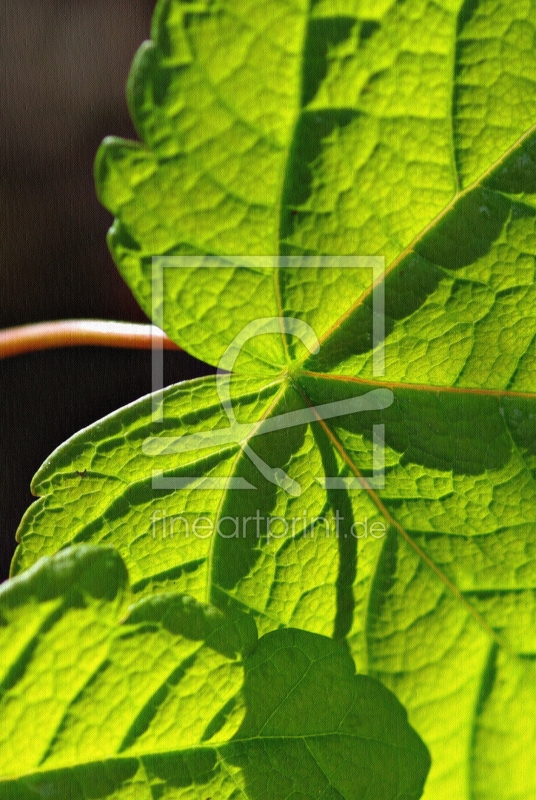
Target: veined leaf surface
[169,699]
[395,129]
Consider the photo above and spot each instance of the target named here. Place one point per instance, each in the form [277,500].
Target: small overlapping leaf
[395,129]
[170,699]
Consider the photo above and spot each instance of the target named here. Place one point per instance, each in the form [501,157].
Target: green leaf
[404,130]
[169,699]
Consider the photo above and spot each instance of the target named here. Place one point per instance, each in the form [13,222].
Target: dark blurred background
[64,65]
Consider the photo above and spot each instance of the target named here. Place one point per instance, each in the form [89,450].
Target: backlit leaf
[319,130]
[169,699]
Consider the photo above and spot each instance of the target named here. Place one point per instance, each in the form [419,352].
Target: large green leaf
[348,127]
[169,699]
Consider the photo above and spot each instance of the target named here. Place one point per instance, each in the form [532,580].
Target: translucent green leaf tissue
[280,144]
[169,699]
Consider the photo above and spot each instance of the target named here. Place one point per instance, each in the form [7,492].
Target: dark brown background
[62,77]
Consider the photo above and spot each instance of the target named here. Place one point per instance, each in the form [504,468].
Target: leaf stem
[81,332]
